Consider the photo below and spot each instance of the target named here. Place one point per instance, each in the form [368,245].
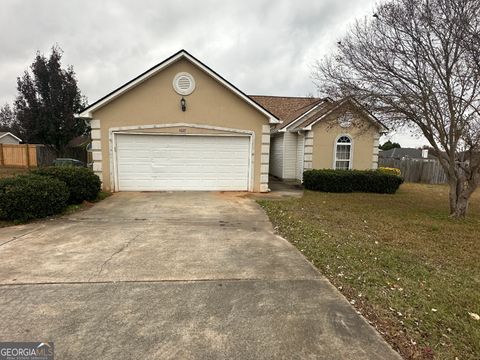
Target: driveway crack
[116,252]
[21,236]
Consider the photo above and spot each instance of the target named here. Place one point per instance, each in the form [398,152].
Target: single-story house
[321,133]
[182,126]
[406,153]
[9,138]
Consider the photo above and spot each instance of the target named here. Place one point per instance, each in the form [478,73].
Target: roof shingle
[289,109]
[286,108]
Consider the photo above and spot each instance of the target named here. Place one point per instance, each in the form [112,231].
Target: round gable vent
[183,83]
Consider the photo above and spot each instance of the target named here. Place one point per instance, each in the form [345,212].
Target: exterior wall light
[183,104]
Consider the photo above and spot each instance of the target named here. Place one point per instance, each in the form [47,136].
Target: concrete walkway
[173,276]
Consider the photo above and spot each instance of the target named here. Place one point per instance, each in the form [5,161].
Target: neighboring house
[320,133]
[406,153]
[9,138]
[79,141]
[78,148]
[180,126]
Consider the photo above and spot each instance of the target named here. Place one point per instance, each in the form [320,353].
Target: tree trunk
[461,207]
[459,196]
[453,195]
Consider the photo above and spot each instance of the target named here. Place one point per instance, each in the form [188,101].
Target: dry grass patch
[409,268]
[12,171]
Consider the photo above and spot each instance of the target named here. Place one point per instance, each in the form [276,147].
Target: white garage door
[184,162]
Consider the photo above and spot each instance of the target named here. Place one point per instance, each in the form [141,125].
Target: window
[343,153]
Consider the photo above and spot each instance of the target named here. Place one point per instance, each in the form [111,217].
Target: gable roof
[79,141]
[6,133]
[331,107]
[312,117]
[301,113]
[86,113]
[287,108]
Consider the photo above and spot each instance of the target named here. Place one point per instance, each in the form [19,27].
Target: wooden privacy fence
[35,155]
[45,156]
[22,156]
[417,170]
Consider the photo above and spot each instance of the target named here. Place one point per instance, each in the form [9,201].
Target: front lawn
[401,261]
[12,171]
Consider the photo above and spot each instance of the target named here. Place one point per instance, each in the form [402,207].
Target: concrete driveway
[173,276]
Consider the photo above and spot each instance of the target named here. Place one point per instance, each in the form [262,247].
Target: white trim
[95,124]
[300,136]
[308,155]
[265,154]
[251,159]
[97,166]
[96,145]
[95,134]
[375,151]
[176,87]
[350,163]
[163,65]
[113,132]
[265,149]
[196,126]
[9,133]
[96,156]
[176,134]
[283,157]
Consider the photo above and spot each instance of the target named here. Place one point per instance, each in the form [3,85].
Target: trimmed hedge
[373,181]
[26,197]
[82,183]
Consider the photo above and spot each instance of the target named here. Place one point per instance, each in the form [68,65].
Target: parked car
[68,162]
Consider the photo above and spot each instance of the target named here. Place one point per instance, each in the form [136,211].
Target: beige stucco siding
[155,102]
[327,132]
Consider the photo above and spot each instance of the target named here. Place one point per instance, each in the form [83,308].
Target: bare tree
[417,63]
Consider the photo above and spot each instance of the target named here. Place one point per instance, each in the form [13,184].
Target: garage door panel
[147,185]
[165,162]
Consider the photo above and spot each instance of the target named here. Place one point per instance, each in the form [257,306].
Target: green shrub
[26,197]
[351,181]
[82,183]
